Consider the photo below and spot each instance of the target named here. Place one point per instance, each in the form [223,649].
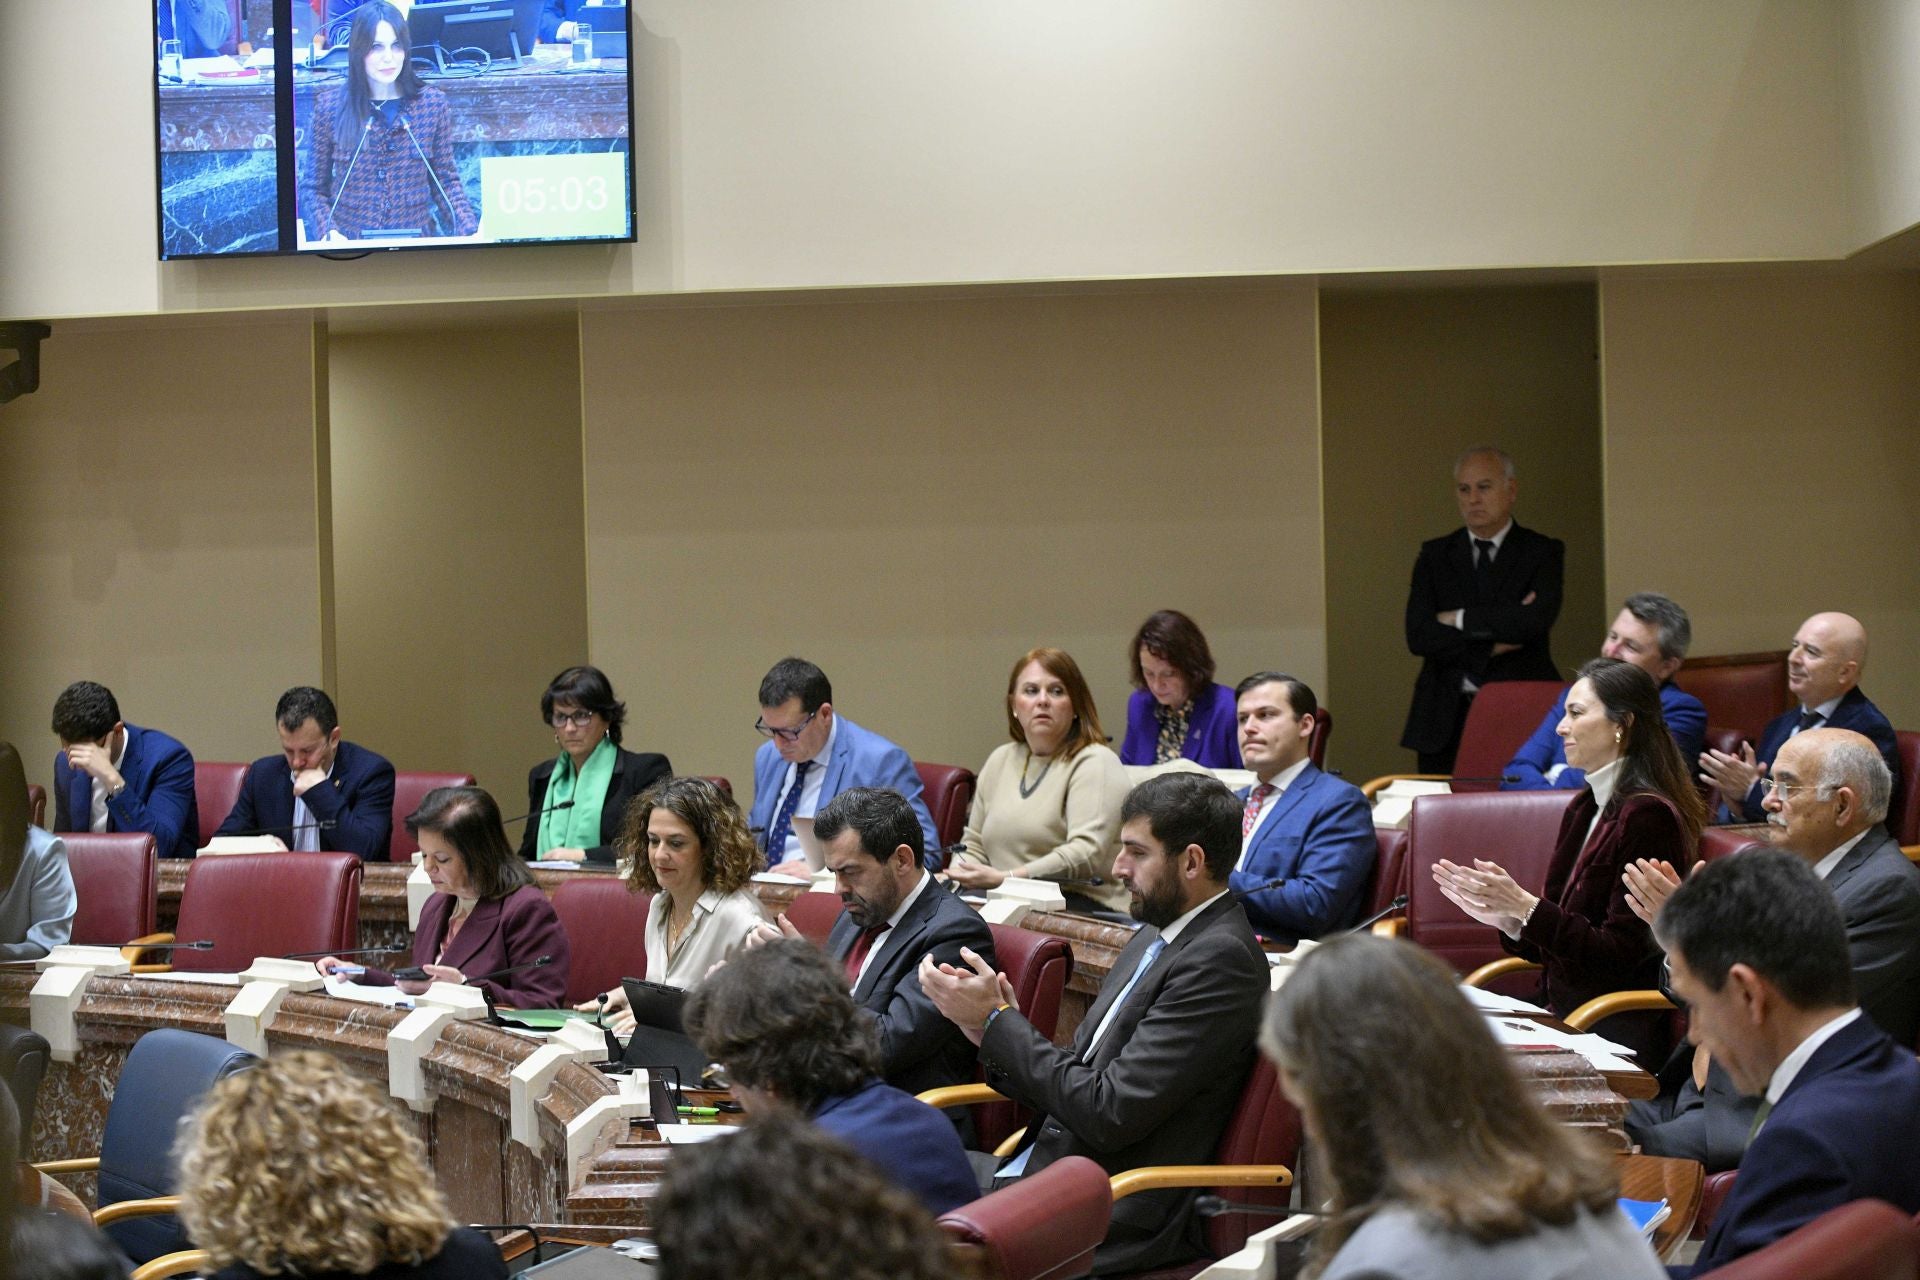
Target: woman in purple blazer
[486,913]
[1177,710]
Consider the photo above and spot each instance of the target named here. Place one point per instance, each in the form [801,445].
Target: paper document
[1393,806]
[1494,1002]
[345,990]
[1603,1053]
[774,877]
[680,1134]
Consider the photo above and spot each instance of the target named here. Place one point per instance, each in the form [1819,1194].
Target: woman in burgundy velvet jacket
[1639,802]
[486,913]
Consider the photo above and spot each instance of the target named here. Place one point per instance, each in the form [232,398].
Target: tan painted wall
[864,142]
[912,494]
[1409,378]
[158,532]
[1880,46]
[460,563]
[1763,442]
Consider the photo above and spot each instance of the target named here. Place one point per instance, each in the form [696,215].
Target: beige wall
[1763,441]
[1409,378]
[159,531]
[459,562]
[865,142]
[914,493]
[1880,47]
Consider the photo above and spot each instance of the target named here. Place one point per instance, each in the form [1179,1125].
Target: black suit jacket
[1160,1086]
[357,799]
[1444,580]
[633,772]
[919,1048]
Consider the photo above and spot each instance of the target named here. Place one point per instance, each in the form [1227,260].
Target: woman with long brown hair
[1438,1161]
[1047,805]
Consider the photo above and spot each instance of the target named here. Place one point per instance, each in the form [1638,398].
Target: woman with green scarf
[579,797]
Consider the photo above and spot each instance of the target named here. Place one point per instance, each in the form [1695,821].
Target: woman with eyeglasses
[579,798]
[1638,803]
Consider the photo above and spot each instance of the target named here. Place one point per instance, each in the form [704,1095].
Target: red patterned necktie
[1255,798]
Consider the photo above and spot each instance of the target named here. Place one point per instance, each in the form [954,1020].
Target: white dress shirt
[1790,1065]
[809,796]
[1825,866]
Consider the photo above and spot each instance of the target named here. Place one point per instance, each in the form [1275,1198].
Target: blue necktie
[783,820]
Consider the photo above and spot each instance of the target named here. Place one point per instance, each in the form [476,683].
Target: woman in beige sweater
[1048,803]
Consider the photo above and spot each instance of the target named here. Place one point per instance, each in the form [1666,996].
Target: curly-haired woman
[290,1169]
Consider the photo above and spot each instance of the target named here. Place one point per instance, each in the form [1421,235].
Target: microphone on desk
[540,963]
[1398,904]
[1220,1206]
[362,951]
[1501,778]
[564,804]
[205,944]
[324,824]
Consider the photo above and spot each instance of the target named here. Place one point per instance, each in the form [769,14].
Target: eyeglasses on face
[792,735]
[578,719]
[1785,790]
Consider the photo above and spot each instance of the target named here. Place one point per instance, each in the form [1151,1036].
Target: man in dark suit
[1157,1066]
[1759,956]
[115,776]
[1481,607]
[1826,804]
[895,914]
[1824,667]
[1309,831]
[320,792]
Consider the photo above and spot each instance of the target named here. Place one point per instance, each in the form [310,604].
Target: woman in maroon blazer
[1638,802]
[486,913]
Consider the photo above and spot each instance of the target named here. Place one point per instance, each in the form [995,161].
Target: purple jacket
[500,933]
[1213,738]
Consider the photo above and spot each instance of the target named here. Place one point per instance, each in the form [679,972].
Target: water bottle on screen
[582,44]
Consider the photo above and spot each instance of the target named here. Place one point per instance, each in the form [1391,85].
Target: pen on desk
[698,1111]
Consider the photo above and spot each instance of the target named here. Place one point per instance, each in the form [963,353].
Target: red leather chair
[1741,691]
[1038,965]
[1317,740]
[949,790]
[721,783]
[1865,1240]
[1718,842]
[37,805]
[409,789]
[1721,737]
[1041,1228]
[813,915]
[1389,870]
[115,885]
[606,924]
[315,906]
[1905,824]
[1502,717]
[216,789]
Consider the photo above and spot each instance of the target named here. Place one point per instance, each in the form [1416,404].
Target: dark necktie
[861,948]
[783,820]
[1808,719]
[1483,559]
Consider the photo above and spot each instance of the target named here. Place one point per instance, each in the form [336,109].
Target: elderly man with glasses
[811,756]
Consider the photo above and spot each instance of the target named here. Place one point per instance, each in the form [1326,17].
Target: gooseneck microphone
[205,944]
[321,955]
[352,160]
[1398,904]
[1218,1206]
[541,963]
[552,808]
[324,824]
[452,217]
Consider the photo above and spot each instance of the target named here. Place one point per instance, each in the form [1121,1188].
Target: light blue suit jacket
[859,758]
[1319,838]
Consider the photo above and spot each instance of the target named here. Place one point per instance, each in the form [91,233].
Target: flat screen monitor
[379,125]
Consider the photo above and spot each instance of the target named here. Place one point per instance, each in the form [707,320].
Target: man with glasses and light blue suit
[811,756]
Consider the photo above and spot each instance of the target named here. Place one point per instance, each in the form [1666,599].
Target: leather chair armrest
[173,1264]
[1391,927]
[1162,1176]
[83,1164]
[960,1095]
[1374,786]
[136,1209]
[1584,1018]
[1495,968]
[1912,851]
[132,952]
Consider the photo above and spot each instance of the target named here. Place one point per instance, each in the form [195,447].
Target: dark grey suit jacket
[1160,1085]
[919,1048]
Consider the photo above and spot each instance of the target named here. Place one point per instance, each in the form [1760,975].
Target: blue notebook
[1646,1215]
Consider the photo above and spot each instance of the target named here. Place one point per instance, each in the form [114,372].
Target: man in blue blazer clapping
[1759,956]
[319,792]
[115,776]
[1309,831]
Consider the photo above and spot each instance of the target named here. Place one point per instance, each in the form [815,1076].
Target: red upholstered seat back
[1503,715]
[1516,829]
[409,789]
[114,883]
[1722,737]
[1265,1129]
[813,915]
[1039,1228]
[267,904]
[722,783]
[216,789]
[1741,691]
[1718,842]
[606,924]
[1905,824]
[949,789]
[37,805]
[1389,870]
[1322,732]
[1865,1240]
[1038,965]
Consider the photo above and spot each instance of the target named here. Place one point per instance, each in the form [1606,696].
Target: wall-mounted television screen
[345,126]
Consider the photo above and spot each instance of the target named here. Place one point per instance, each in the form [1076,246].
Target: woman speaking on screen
[380,147]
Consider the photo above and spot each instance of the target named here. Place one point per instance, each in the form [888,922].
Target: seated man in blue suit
[319,792]
[1652,632]
[1759,956]
[1308,842]
[812,755]
[115,776]
[1824,667]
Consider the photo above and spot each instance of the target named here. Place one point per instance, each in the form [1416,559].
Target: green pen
[698,1111]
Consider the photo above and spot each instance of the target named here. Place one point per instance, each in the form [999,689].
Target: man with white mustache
[1826,802]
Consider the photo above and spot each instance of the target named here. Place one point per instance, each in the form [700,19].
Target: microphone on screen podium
[407,127]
